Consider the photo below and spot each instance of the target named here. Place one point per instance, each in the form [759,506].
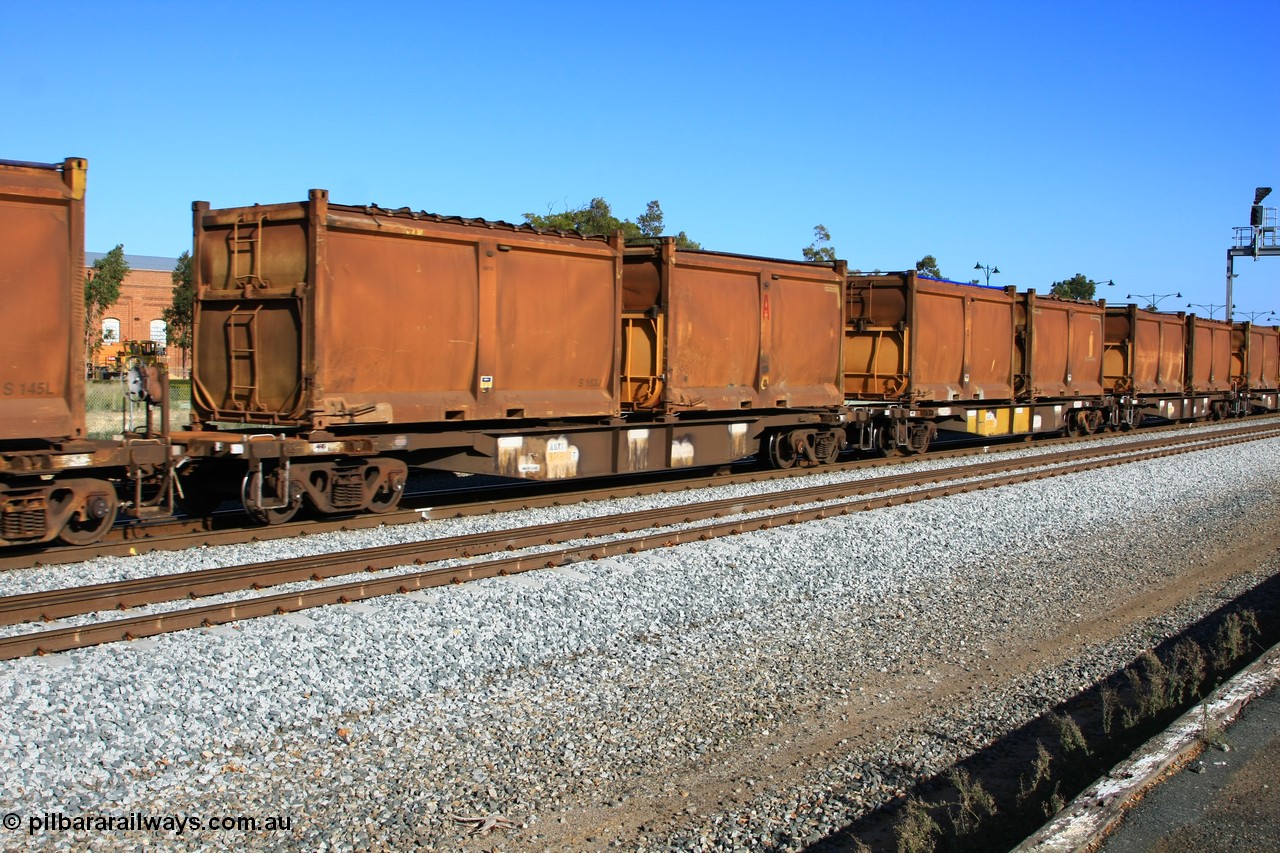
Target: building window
[110,330]
[158,334]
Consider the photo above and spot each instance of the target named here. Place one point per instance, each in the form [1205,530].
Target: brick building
[139,313]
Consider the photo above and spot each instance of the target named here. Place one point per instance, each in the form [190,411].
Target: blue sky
[1122,140]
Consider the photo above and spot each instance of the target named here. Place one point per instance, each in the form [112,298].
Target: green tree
[179,316]
[597,218]
[928,265]
[1076,287]
[820,249]
[101,291]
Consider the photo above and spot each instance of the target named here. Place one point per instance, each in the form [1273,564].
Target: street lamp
[987,270]
[1254,315]
[1211,308]
[1153,299]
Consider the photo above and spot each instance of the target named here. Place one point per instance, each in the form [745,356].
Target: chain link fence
[109,411]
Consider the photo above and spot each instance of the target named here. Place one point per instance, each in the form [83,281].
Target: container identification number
[29,389]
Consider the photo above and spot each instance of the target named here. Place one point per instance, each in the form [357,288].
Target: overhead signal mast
[1259,238]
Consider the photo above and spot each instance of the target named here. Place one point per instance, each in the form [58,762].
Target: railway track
[130,538]
[660,528]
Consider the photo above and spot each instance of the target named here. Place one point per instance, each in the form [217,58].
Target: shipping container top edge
[296,209]
[29,164]
[647,242]
[901,273]
[471,222]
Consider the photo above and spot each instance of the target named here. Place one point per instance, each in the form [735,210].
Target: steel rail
[47,605]
[63,639]
[175,535]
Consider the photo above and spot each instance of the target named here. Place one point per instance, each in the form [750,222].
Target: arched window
[158,334]
[110,330]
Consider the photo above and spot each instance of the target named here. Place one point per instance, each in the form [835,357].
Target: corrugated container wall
[321,315]
[42,345]
[919,339]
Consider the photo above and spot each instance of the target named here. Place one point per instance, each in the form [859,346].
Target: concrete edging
[1089,817]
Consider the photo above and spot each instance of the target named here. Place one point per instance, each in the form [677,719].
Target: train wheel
[888,444]
[90,521]
[260,500]
[782,451]
[386,499]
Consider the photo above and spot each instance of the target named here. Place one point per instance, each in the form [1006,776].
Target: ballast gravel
[564,699]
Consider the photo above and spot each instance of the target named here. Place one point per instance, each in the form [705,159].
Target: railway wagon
[1147,369]
[339,346]
[53,482]
[1209,363]
[1255,353]
[1060,346]
[708,332]
[923,354]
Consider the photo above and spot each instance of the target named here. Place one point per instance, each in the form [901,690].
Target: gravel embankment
[722,694]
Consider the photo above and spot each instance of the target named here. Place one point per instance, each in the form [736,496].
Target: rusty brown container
[319,315]
[919,339]
[1208,355]
[1059,347]
[1255,356]
[712,331]
[42,280]
[1146,351]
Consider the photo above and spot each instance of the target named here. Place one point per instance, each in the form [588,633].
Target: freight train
[338,347]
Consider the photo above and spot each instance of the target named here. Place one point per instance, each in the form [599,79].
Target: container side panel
[271,255]
[1173,355]
[1086,353]
[401,319]
[249,364]
[38,380]
[1222,357]
[804,361]
[558,326]
[713,344]
[1146,356]
[1263,368]
[937,365]
[991,347]
[1049,356]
